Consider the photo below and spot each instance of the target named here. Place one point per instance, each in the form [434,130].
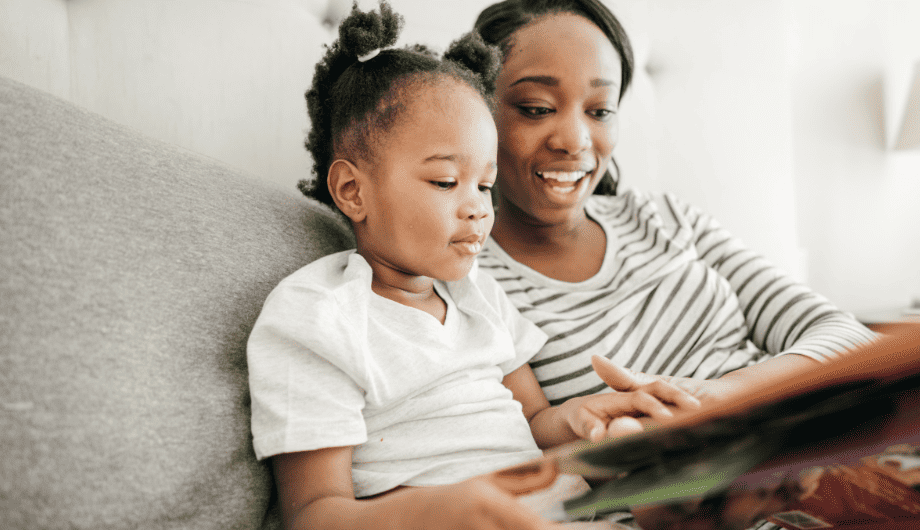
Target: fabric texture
[676,295]
[130,275]
[332,364]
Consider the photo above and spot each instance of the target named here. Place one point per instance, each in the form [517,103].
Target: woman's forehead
[554,46]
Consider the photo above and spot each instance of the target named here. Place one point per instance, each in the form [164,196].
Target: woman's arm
[316,492]
[597,416]
[783,316]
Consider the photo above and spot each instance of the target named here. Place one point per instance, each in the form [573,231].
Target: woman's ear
[345,183]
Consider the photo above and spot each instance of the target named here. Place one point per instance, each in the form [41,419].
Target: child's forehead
[447,118]
[448,101]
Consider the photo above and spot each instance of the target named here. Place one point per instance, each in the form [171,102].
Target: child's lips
[471,244]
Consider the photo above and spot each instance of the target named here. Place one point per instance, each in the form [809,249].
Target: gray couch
[131,272]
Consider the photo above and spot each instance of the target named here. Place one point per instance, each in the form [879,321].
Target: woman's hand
[693,391]
[635,396]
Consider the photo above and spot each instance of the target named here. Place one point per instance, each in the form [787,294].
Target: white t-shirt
[331,363]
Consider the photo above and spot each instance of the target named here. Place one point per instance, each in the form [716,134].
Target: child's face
[429,209]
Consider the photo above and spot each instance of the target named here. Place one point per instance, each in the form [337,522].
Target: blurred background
[796,123]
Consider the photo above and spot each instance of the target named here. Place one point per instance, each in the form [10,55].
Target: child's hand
[617,413]
[474,504]
[612,414]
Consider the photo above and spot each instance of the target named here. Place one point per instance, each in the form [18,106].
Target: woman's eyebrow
[549,80]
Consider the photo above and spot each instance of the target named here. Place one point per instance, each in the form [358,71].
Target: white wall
[766,113]
[858,206]
[721,72]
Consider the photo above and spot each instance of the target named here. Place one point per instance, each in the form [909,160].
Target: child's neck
[411,291]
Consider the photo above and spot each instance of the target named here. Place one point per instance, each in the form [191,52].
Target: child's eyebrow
[492,164]
[439,157]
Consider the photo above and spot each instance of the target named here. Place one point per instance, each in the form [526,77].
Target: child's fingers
[499,509]
[594,418]
[622,426]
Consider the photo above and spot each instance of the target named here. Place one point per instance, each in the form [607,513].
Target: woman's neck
[515,229]
[571,249]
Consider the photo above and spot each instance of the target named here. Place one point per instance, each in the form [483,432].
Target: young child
[397,364]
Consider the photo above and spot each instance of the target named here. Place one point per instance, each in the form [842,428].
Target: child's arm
[315,492]
[593,417]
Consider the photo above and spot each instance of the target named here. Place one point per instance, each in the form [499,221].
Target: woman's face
[557,100]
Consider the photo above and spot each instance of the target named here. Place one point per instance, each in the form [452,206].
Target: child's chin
[455,274]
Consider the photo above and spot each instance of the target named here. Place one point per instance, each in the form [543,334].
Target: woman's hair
[353,102]
[498,23]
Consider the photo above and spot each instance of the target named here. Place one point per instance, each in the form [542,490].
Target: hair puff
[474,54]
[363,32]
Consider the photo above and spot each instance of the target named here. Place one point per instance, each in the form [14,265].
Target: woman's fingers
[616,377]
[670,393]
[623,380]
[650,406]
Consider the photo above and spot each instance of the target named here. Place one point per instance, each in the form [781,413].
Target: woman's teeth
[562,176]
[562,181]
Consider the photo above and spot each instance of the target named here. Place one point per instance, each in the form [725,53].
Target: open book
[837,413]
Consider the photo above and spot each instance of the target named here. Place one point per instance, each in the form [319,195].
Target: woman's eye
[534,111]
[444,185]
[601,114]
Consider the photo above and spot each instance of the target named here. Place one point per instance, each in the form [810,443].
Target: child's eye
[443,184]
[485,188]
[534,112]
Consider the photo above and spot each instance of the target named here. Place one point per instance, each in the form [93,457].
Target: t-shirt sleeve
[528,338]
[304,396]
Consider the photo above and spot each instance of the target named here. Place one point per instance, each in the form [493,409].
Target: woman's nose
[570,136]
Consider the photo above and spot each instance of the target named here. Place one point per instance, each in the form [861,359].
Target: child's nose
[476,207]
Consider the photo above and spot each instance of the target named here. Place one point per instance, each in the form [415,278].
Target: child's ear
[345,181]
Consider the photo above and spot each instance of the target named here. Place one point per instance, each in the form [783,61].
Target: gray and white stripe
[676,295]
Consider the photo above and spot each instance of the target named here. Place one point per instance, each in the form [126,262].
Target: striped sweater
[676,295]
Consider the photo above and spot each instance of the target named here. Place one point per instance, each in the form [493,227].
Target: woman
[650,283]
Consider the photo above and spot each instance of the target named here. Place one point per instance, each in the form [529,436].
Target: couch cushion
[130,275]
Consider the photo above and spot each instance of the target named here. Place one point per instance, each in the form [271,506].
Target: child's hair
[351,101]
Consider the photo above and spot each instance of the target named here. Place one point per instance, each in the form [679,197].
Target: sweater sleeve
[782,315]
